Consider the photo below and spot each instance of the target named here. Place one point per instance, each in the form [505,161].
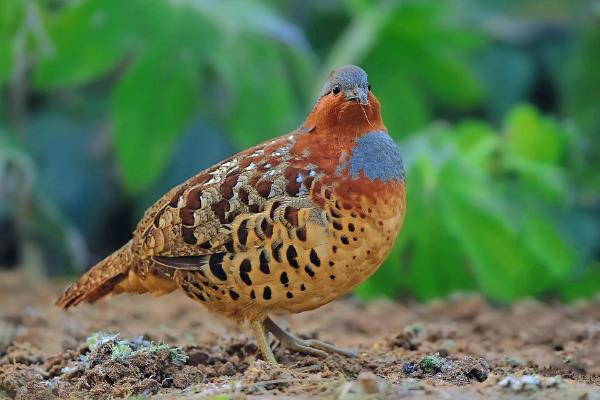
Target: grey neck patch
[378,156]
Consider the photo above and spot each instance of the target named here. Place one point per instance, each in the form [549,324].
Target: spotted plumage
[288,225]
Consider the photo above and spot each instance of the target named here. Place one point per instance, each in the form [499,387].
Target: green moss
[121,350]
[432,363]
[124,349]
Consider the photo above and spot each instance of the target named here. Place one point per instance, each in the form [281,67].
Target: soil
[169,347]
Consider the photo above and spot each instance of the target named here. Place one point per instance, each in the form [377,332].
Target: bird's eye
[369,87]
[336,90]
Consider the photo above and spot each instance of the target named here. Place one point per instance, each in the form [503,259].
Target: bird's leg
[308,346]
[262,342]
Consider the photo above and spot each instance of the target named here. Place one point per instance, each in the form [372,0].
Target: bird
[283,227]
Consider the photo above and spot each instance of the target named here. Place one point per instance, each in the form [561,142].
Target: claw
[329,347]
[302,348]
[307,346]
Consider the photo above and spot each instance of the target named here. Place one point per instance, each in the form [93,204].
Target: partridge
[286,226]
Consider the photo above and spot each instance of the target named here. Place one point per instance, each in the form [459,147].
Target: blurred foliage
[487,211]
[46,237]
[429,51]
[166,45]
[106,104]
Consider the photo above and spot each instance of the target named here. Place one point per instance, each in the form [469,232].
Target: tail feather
[100,280]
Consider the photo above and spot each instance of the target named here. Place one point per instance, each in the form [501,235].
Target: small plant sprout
[99,338]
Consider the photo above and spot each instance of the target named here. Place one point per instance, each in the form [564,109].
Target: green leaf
[534,148]
[356,40]
[150,106]
[11,17]
[549,180]
[582,82]
[546,243]
[359,7]
[476,142]
[444,72]
[503,267]
[5,58]
[249,17]
[402,114]
[265,108]
[92,36]
[431,51]
[89,38]
[437,265]
[530,136]
[586,285]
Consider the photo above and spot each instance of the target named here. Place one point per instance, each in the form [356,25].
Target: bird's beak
[358,94]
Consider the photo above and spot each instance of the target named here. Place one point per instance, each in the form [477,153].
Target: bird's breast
[374,156]
[371,170]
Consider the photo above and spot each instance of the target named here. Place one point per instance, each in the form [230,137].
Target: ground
[169,347]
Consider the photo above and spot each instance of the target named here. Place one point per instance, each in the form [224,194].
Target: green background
[106,104]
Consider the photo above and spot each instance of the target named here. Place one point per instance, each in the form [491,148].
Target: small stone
[478,374]
[409,367]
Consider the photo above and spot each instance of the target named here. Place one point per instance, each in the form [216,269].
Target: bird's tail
[100,280]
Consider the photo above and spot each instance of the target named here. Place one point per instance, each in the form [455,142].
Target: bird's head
[350,83]
[346,100]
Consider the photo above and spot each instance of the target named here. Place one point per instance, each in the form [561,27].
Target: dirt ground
[162,348]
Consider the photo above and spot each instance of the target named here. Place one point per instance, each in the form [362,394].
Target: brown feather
[99,280]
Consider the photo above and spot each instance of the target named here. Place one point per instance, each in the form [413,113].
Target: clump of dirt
[461,347]
[107,365]
[459,370]
[23,381]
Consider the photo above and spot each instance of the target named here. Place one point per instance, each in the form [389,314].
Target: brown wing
[232,207]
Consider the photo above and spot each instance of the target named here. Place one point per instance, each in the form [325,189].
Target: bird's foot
[262,342]
[307,346]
